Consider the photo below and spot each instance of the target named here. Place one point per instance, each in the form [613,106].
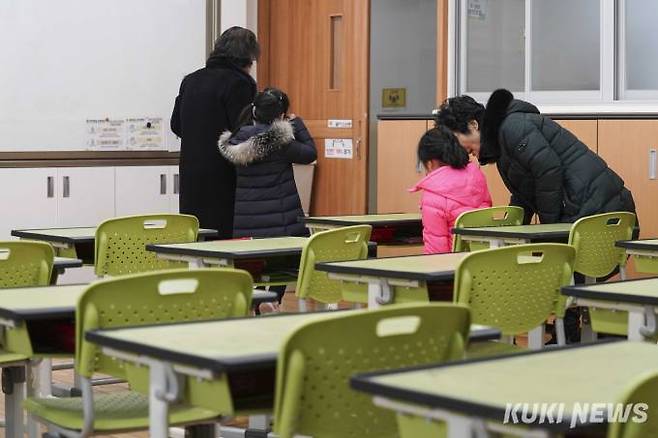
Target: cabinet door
[397,165]
[585,130]
[174,181]
[142,189]
[627,145]
[27,199]
[86,195]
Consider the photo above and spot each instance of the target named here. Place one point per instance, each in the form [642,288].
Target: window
[557,51]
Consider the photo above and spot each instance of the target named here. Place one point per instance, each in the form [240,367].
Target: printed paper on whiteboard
[478,9]
[338,148]
[144,133]
[104,134]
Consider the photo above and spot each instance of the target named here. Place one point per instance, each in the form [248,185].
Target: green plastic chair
[643,390]
[25,263]
[313,395]
[515,288]
[340,244]
[484,217]
[594,239]
[141,299]
[120,242]
[22,264]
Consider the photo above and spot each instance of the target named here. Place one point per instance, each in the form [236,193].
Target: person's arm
[526,145]
[302,149]
[175,123]
[237,99]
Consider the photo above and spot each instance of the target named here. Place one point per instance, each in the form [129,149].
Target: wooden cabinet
[397,164]
[626,146]
[585,130]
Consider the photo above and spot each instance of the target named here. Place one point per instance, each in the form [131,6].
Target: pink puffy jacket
[447,193]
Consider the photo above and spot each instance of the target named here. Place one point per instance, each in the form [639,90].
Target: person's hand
[292,116]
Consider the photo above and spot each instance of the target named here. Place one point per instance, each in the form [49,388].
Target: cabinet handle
[66,187]
[652,164]
[176,183]
[163,184]
[50,187]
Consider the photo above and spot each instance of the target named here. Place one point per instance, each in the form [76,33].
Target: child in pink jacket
[452,186]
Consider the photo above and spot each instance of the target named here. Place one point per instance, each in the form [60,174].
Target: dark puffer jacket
[267,203]
[546,168]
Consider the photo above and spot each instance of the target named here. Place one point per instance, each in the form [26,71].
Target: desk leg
[635,324]
[13,386]
[196,263]
[536,338]
[374,292]
[158,405]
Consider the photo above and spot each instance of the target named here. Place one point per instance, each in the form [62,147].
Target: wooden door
[317,52]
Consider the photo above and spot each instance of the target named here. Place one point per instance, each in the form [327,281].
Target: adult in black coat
[267,202]
[546,168]
[210,102]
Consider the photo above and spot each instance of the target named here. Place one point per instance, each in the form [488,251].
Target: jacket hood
[461,185]
[500,105]
[244,148]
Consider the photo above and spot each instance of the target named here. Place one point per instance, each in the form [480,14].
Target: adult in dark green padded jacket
[546,168]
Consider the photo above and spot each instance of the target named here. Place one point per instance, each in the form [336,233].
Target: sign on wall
[338,148]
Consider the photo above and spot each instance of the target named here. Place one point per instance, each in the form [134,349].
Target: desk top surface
[641,291]
[366,219]
[234,249]
[484,388]
[435,267]
[641,244]
[54,302]
[74,235]
[530,232]
[219,346]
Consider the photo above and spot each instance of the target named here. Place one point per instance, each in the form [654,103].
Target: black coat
[210,102]
[546,168]
[266,199]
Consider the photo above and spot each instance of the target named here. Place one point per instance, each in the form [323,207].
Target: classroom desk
[384,275]
[515,235]
[644,252]
[61,264]
[76,242]
[469,394]
[236,356]
[637,297]
[387,228]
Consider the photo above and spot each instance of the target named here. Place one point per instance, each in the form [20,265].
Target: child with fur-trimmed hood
[267,203]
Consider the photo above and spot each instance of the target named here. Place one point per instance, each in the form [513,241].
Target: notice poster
[477,9]
[144,133]
[104,134]
[338,148]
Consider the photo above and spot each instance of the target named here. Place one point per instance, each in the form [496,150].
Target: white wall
[242,13]
[67,61]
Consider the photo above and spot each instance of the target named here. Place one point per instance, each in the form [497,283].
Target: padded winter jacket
[546,168]
[267,203]
[447,193]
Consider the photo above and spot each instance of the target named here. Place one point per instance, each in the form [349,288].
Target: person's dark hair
[440,144]
[238,46]
[456,112]
[268,105]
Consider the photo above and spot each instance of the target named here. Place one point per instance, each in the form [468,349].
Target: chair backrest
[594,238]
[515,288]
[25,263]
[340,244]
[155,298]
[485,217]
[313,395]
[643,390]
[120,242]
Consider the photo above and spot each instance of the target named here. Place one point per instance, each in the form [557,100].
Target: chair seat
[124,410]
[8,359]
[480,350]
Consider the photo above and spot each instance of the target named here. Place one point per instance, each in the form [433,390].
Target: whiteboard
[64,62]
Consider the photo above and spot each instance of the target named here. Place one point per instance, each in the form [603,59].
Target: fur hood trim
[494,114]
[257,146]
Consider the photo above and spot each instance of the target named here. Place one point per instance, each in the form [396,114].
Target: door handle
[163,184]
[176,183]
[66,187]
[652,164]
[50,187]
